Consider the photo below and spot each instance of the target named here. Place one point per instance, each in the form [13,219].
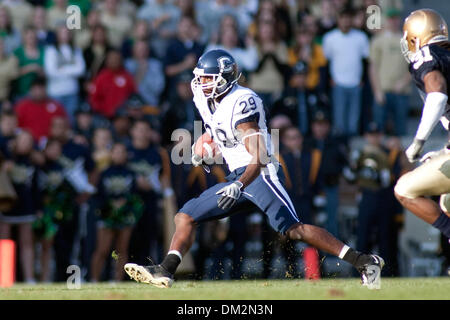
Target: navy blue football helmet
[215,74]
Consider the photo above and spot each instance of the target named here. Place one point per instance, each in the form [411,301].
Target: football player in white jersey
[234,117]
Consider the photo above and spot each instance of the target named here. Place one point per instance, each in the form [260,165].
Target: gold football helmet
[422,27]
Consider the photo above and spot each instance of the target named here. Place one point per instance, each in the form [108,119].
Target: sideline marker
[7,263]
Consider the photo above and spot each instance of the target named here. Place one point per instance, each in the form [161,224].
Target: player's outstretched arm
[434,107]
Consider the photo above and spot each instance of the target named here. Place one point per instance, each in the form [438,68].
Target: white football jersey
[239,105]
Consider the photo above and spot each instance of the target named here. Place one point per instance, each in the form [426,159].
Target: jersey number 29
[248,106]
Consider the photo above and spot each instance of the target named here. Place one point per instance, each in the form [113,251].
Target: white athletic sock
[176,252]
[344,250]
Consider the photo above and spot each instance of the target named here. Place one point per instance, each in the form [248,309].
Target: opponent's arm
[434,107]
[255,145]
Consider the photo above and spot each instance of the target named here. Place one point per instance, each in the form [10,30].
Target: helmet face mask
[215,74]
[212,85]
[405,47]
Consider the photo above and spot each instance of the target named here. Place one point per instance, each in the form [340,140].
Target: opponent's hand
[230,194]
[432,154]
[428,156]
[413,151]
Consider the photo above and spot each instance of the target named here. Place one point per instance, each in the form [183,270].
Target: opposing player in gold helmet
[422,27]
[426,48]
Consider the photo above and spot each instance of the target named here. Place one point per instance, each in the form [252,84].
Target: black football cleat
[371,272]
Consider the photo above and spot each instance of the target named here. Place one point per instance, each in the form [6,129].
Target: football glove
[196,159]
[414,150]
[229,195]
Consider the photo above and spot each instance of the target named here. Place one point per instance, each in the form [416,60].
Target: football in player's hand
[205,147]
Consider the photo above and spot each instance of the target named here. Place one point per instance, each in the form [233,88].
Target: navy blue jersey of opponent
[435,56]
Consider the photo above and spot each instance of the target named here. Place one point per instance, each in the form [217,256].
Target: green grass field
[325,289]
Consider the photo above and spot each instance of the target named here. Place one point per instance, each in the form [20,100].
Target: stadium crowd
[87,117]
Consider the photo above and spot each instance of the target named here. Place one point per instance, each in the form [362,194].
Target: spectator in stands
[84,125]
[304,49]
[119,209]
[148,73]
[296,164]
[367,100]
[298,102]
[399,165]
[23,175]
[77,162]
[10,35]
[163,17]
[141,32]
[112,86]
[298,10]
[309,22]
[268,79]
[146,160]
[327,19]
[125,7]
[120,126]
[136,108]
[101,148]
[227,21]
[100,152]
[35,113]
[208,14]
[375,169]
[389,77]
[8,130]
[268,10]
[243,13]
[56,14]
[84,5]
[360,20]
[21,12]
[118,23]
[340,4]
[182,53]
[181,111]
[246,56]
[95,56]
[31,63]
[44,35]
[345,48]
[187,8]
[84,36]
[58,204]
[329,157]
[9,70]
[64,65]
[280,122]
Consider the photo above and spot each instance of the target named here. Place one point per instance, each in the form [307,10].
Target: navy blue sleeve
[425,61]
